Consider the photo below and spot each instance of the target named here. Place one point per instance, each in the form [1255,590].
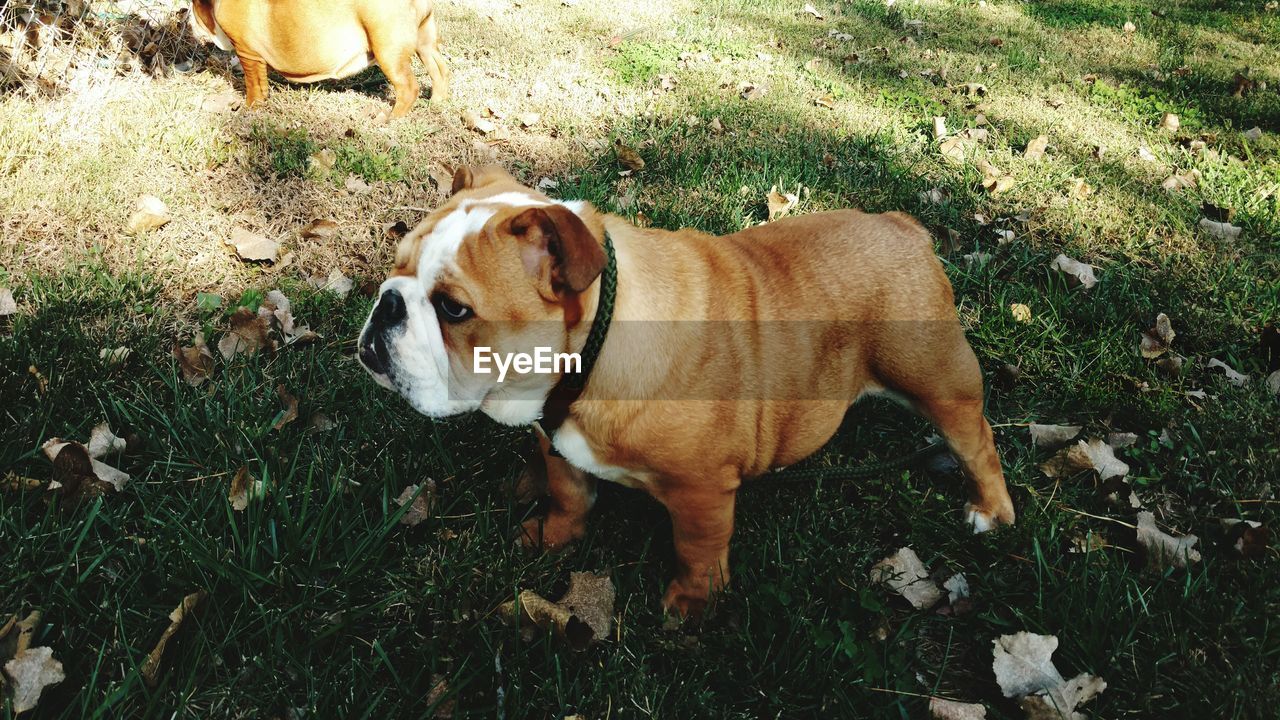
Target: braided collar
[556,408]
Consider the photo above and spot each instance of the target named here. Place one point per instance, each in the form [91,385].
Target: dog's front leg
[572,493]
[702,523]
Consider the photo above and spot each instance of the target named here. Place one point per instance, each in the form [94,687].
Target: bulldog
[705,361]
[310,40]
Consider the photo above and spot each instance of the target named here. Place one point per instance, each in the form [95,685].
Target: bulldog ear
[465,178]
[557,249]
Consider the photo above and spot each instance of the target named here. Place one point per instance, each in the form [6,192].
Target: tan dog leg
[702,523]
[255,79]
[572,494]
[431,57]
[396,60]
[950,395]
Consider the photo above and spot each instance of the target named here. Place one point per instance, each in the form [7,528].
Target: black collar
[556,408]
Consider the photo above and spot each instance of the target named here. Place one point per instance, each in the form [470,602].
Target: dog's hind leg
[431,57]
[255,79]
[950,395]
[394,54]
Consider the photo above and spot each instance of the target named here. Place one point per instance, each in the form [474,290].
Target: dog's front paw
[982,520]
[552,533]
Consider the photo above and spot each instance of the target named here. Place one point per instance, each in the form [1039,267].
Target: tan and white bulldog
[723,357]
[310,40]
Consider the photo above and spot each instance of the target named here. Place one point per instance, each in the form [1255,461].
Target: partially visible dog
[310,40]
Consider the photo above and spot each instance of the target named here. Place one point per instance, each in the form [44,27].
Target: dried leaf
[8,306]
[1035,148]
[906,575]
[1078,272]
[249,333]
[1059,703]
[1145,154]
[809,8]
[150,214]
[1247,537]
[939,127]
[195,361]
[1233,377]
[473,121]
[1156,341]
[1253,134]
[627,157]
[77,474]
[114,357]
[319,229]
[356,185]
[957,587]
[30,672]
[440,707]
[1170,122]
[275,309]
[826,101]
[1091,455]
[104,442]
[583,615]
[1021,313]
[955,148]
[244,487]
[750,91]
[1051,436]
[151,667]
[1187,179]
[336,283]
[1164,550]
[1129,27]
[290,408]
[529,119]
[935,196]
[250,246]
[940,709]
[1273,383]
[1220,230]
[780,203]
[1078,188]
[993,179]
[420,506]
[1023,663]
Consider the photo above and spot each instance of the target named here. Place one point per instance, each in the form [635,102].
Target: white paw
[977,519]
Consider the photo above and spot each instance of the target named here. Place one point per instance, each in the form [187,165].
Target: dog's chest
[573,445]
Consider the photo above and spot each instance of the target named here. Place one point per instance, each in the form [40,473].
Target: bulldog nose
[391,310]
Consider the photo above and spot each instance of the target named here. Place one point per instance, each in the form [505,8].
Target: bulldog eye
[452,311]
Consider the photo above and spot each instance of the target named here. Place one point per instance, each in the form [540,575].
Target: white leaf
[1080,272]
[1233,377]
[957,588]
[31,672]
[1220,230]
[1023,663]
[1164,550]
[1049,436]
[905,574]
[940,709]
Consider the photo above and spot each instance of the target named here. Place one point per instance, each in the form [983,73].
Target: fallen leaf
[290,412]
[906,575]
[1273,383]
[195,361]
[1170,122]
[324,159]
[1059,703]
[13,482]
[826,101]
[103,442]
[1129,27]
[113,357]
[976,259]
[716,126]
[1120,440]
[1078,188]
[750,91]
[974,89]
[420,506]
[939,127]
[244,487]
[336,283]
[955,148]
[583,615]
[940,709]
[249,333]
[1171,365]
[77,471]
[1164,550]
[30,672]
[1220,230]
[8,306]
[935,196]
[321,422]
[1253,134]
[1233,377]
[250,246]
[1023,663]
[1177,181]
[1076,271]
[957,587]
[440,707]
[222,102]
[780,203]
[151,667]
[356,185]
[1051,436]
[994,179]
[529,119]
[627,157]
[473,121]
[1247,537]
[809,8]
[150,214]
[1021,313]
[275,310]
[1156,341]
[1035,148]
[319,229]
[1145,154]
[1091,455]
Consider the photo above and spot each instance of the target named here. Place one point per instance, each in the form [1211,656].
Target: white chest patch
[573,445]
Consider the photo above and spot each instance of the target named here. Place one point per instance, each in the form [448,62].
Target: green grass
[320,601]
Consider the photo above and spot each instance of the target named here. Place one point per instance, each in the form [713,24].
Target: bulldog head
[204,25]
[497,266]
